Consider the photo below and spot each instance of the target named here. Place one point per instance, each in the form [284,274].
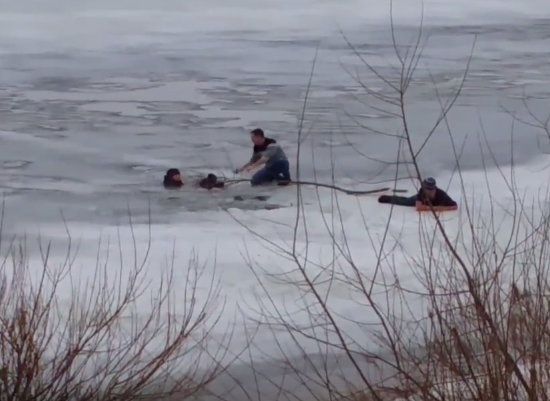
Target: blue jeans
[280,170]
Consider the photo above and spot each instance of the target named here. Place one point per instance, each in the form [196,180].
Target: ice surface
[92,88]
[105,23]
[245,251]
[26,26]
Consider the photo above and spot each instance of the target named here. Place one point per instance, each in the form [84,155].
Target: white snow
[253,271]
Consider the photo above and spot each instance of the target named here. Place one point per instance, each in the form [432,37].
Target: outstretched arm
[238,170]
[252,166]
[253,160]
[448,205]
[425,208]
[266,155]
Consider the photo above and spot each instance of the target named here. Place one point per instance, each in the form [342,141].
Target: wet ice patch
[131,109]
[38,184]
[184,91]
[16,164]
[329,143]
[216,117]
[142,168]
[51,127]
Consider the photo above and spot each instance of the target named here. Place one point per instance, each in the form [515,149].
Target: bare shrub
[472,326]
[109,331]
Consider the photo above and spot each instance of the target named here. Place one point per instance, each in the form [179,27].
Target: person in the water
[173,179]
[210,182]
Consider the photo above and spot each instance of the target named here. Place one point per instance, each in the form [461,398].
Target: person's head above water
[429,186]
[172,178]
[210,182]
[257,136]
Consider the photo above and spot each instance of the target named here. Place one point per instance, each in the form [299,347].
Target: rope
[328,186]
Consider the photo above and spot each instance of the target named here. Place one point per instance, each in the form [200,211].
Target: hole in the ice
[14,164]
[201,145]
[261,198]
[252,207]
[153,147]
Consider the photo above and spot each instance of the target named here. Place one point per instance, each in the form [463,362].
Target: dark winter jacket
[259,149]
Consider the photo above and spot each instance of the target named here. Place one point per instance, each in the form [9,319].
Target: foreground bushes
[100,332]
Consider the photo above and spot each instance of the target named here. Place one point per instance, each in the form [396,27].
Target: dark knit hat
[429,183]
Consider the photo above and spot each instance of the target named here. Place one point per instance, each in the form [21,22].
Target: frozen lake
[100,98]
[99,101]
